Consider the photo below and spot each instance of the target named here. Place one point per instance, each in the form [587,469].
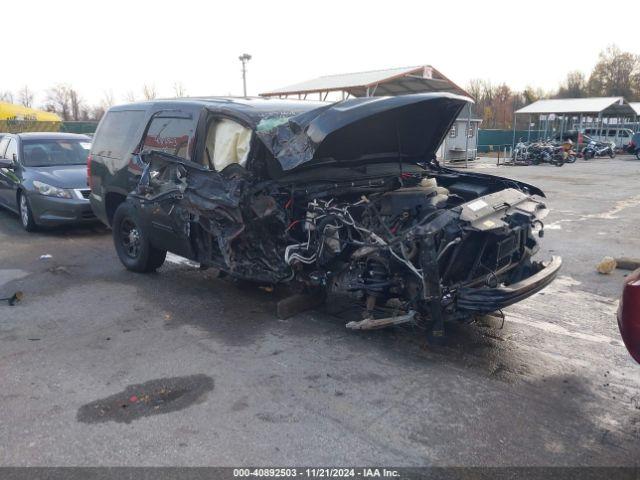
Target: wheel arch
[112,201]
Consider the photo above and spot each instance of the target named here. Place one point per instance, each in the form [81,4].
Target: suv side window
[171,135]
[116,133]
[12,149]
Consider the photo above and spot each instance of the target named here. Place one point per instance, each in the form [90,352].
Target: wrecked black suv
[333,199]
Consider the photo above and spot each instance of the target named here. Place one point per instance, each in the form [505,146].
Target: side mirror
[6,163]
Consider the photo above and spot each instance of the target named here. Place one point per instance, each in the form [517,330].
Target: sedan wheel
[26,216]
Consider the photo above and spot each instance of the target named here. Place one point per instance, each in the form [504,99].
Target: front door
[171,132]
[9,176]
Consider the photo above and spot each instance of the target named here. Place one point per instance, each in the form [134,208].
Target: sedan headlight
[51,191]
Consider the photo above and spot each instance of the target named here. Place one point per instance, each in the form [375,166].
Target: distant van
[620,136]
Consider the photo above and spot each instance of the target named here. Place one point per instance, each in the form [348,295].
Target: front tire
[638,154]
[132,243]
[26,214]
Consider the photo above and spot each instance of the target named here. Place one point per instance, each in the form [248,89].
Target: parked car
[43,178]
[343,199]
[629,314]
[620,137]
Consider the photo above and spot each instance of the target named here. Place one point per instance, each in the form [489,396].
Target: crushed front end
[422,246]
[422,253]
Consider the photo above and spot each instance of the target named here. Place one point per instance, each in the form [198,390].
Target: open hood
[406,126]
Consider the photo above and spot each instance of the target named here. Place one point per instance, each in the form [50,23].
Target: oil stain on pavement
[154,397]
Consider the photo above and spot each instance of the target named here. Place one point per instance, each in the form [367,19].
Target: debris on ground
[58,269]
[46,256]
[606,265]
[626,263]
[373,324]
[13,299]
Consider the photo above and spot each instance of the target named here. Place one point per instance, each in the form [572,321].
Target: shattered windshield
[270,123]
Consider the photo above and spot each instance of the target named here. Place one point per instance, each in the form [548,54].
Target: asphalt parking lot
[101,366]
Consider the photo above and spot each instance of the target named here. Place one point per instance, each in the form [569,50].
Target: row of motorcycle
[558,153]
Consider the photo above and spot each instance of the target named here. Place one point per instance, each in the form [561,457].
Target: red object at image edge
[629,314]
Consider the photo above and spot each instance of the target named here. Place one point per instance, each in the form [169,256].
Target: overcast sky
[118,46]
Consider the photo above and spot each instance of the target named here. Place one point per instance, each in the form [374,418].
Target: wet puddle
[154,397]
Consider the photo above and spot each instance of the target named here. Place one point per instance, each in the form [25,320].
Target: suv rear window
[116,133]
[170,135]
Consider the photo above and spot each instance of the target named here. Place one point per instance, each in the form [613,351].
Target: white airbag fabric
[228,142]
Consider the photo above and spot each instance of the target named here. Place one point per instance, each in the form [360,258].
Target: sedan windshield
[44,153]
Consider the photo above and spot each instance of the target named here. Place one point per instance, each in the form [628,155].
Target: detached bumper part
[486,300]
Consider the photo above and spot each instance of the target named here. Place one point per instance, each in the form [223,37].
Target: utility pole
[244,58]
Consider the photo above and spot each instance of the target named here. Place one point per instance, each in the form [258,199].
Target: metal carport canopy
[593,105]
[392,81]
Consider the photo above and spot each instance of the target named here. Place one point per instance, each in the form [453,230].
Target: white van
[620,136]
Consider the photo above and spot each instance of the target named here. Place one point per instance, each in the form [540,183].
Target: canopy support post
[466,140]
[579,133]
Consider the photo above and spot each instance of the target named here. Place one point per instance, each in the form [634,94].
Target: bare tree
[130,96]
[108,99]
[575,86]
[149,92]
[59,101]
[530,95]
[503,105]
[6,96]
[179,90]
[615,73]
[96,112]
[474,87]
[25,96]
[76,104]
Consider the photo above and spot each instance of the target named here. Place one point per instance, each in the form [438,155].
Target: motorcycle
[568,154]
[546,153]
[598,149]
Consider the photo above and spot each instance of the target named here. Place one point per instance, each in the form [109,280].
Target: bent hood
[406,126]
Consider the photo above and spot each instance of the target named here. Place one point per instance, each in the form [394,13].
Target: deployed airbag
[228,142]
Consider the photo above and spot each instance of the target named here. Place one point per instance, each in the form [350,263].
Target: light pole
[244,58]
